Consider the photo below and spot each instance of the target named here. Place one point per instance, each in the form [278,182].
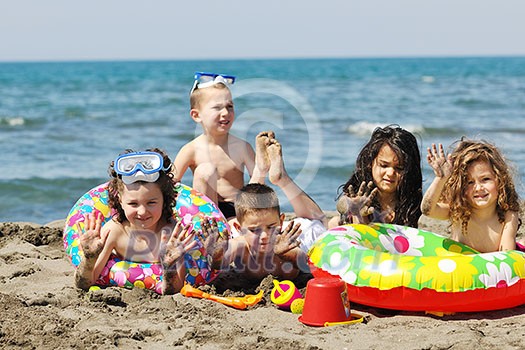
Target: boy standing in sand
[261,246]
[216,158]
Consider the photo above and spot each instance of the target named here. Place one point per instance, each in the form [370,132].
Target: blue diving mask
[203,80]
[139,166]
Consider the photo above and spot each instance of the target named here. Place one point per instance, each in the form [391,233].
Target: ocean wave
[17,122]
[12,121]
[365,128]
[477,103]
[429,79]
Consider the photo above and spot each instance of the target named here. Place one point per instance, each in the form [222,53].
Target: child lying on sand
[261,246]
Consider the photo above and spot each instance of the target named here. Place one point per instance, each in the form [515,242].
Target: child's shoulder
[112,224]
[512,216]
[113,228]
[197,140]
[189,147]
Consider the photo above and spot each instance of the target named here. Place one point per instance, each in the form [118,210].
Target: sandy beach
[41,308]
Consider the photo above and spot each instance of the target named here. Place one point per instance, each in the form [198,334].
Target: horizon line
[291,58]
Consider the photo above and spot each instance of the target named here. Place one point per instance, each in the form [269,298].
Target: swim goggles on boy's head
[203,80]
[139,166]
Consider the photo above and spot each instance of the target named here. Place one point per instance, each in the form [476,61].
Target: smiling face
[386,170]
[215,110]
[260,228]
[482,185]
[142,203]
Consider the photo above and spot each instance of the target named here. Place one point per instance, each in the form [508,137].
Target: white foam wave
[14,121]
[428,79]
[365,128]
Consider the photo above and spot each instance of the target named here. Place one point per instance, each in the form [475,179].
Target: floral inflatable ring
[403,268]
[191,207]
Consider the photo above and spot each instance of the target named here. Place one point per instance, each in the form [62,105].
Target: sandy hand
[175,244]
[214,243]
[438,161]
[355,207]
[91,240]
[288,239]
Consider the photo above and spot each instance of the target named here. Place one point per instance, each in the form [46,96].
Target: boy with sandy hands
[263,243]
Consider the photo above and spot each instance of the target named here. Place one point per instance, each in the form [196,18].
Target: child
[216,158]
[142,193]
[387,180]
[473,188]
[262,246]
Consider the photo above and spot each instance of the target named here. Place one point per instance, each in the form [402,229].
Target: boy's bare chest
[225,160]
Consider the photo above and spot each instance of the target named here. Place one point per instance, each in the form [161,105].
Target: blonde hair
[466,153]
[197,95]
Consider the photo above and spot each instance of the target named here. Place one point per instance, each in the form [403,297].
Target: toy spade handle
[189,291]
[233,302]
[277,285]
[236,302]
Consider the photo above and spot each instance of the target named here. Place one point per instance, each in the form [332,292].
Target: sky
[63,30]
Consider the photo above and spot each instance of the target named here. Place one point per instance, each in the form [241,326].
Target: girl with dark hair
[386,185]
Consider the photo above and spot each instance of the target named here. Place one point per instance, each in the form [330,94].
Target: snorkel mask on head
[203,80]
[139,166]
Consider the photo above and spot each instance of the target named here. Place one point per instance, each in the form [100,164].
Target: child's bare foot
[277,171]
[262,161]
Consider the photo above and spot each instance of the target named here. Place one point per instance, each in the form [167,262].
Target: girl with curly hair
[386,185]
[473,188]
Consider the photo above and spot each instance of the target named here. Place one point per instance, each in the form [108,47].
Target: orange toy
[236,302]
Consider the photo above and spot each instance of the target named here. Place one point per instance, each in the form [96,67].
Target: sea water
[61,123]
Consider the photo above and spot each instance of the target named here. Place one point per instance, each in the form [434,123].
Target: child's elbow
[426,208]
[82,282]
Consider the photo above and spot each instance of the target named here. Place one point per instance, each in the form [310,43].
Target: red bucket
[326,300]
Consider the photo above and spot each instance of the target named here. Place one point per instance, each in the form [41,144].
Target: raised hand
[288,239]
[214,243]
[438,161]
[355,207]
[175,244]
[91,239]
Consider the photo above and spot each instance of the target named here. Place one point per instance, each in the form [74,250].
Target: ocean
[61,123]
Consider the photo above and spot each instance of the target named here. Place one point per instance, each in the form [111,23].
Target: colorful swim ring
[403,268]
[191,206]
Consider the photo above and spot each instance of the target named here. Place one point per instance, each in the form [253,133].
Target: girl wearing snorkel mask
[142,229]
